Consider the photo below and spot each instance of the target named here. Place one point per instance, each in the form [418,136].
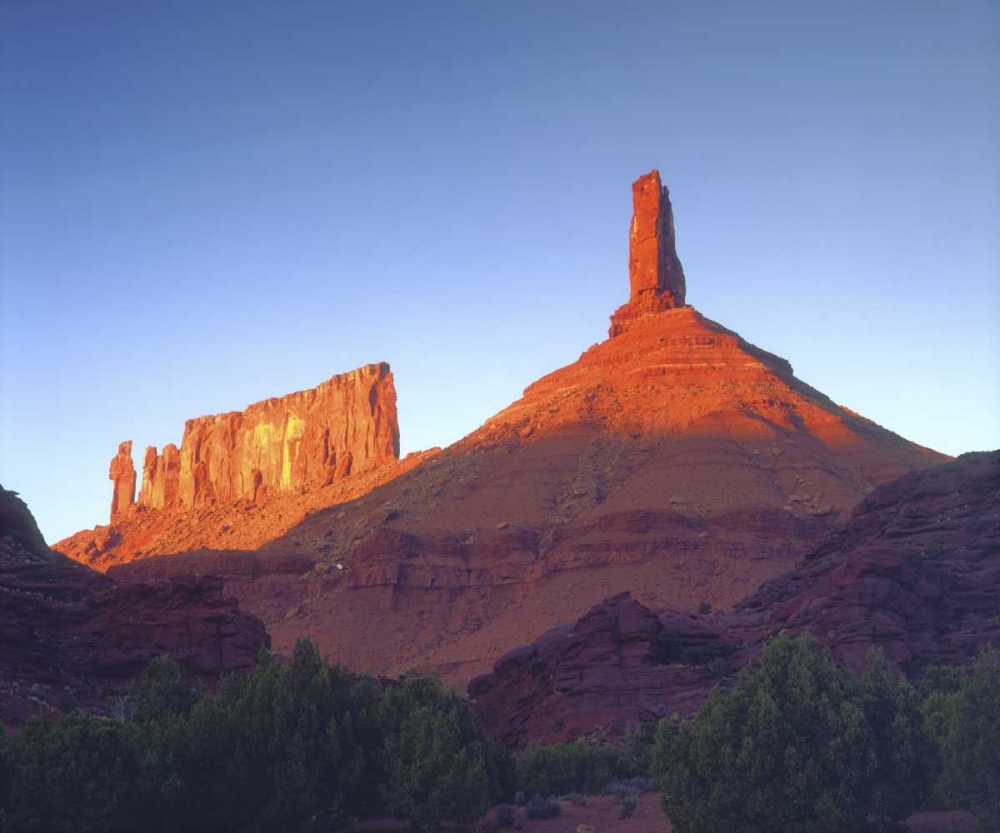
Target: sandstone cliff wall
[306,439]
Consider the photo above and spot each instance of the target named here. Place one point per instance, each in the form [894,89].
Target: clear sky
[206,204]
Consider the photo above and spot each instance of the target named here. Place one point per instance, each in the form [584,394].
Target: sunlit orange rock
[303,440]
[656,277]
[122,474]
[160,477]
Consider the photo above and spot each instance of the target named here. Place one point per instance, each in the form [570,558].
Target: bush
[506,815]
[629,804]
[543,808]
[561,768]
[961,721]
[789,748]
[704,606]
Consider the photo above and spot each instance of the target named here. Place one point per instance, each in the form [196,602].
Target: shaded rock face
[915,572]
[122,474]
[303,440]
[619,664]
[70,636]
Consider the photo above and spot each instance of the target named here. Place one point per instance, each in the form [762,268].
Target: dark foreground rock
[70,636]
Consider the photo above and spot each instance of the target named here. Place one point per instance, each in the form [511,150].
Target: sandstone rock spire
[653,264]
[656,277]
[122,473]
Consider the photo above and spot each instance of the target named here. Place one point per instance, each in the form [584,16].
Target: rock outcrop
[615,666]
[161,477]
[653,265]
[69,636]
[304,440]
[656,277]
[916,572]
[122,475]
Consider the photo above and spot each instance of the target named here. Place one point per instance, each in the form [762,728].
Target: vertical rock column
[653,265]
[122,474]
[655,275]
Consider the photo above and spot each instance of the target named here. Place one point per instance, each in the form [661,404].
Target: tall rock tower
[653,266]
[122,474]
[656,277]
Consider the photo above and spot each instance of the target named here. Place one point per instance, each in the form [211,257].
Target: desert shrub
[635,786]
[637,747]
[576,799]
[559,768]
[543,808]
[704,606]
[629,805]
[520,799]
[790,748]
[506,815]
[961,721]
[934,549]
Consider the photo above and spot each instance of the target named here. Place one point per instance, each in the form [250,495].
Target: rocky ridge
[915,572]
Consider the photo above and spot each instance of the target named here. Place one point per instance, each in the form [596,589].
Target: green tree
[962,723]
[788,749]
[162,691]
[439,763]
[557,768]
[903,770]
[283,748]
[78,773]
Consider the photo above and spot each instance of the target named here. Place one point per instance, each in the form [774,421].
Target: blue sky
[205,204]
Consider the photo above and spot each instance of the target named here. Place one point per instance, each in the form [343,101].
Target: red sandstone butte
[304,440]
[122,473]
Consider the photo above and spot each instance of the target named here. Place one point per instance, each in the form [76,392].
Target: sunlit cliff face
[304,440]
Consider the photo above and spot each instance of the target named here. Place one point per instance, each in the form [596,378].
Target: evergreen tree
[788,750]
[964,726]
[903,770]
